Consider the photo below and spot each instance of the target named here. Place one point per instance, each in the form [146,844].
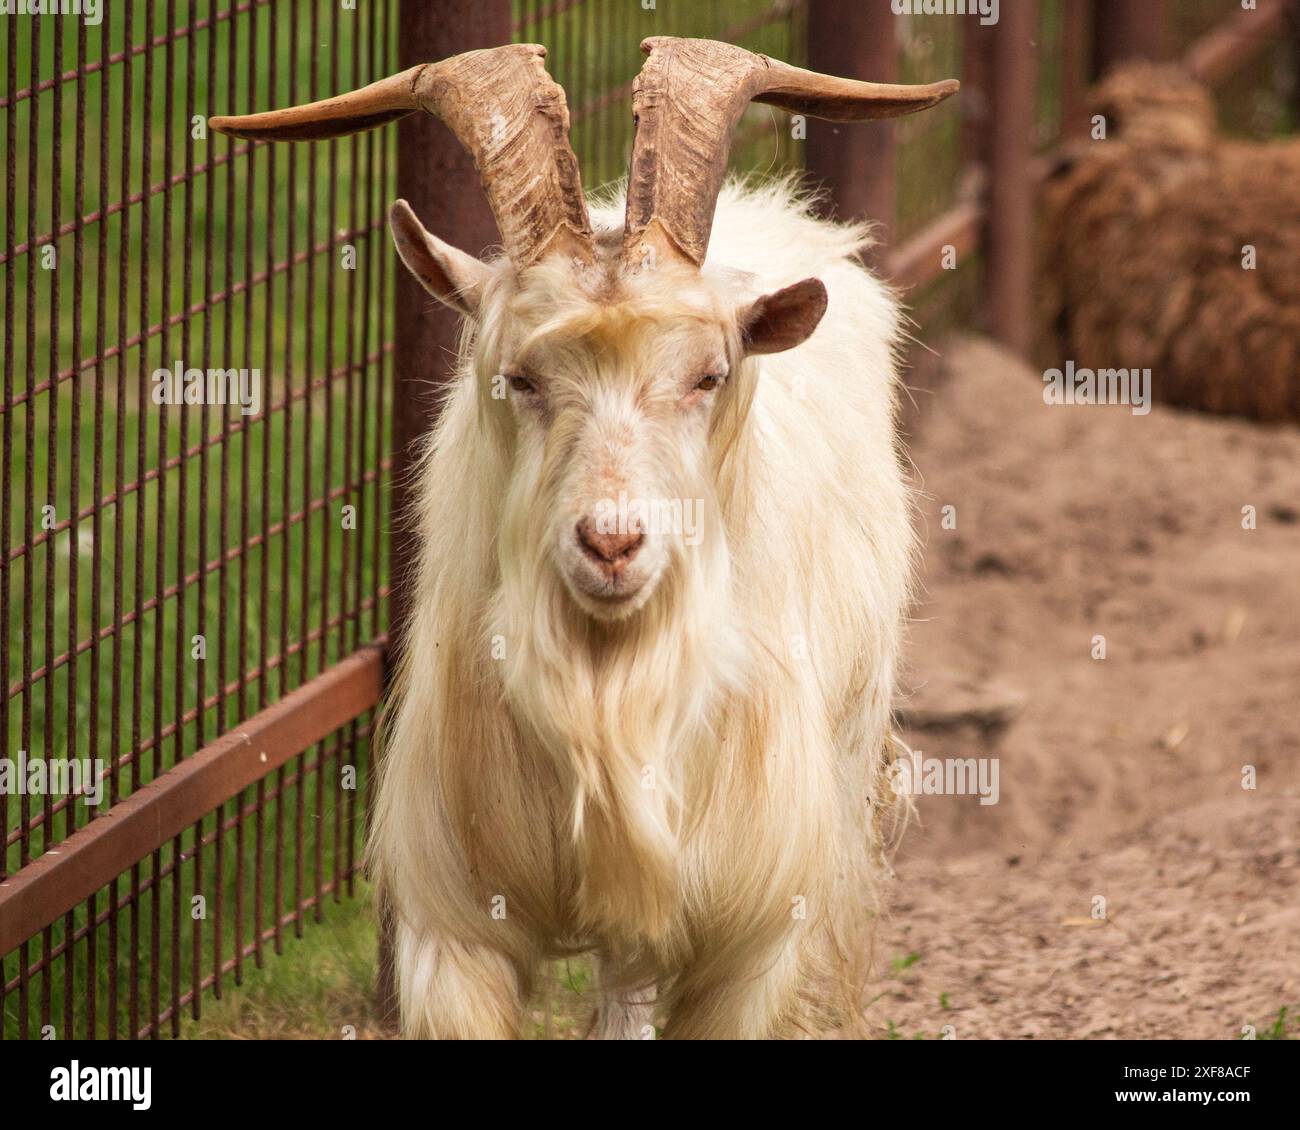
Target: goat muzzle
[611,550]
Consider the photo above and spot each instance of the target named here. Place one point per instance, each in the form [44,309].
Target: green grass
[323,988]
[905,962]
[1279,1028]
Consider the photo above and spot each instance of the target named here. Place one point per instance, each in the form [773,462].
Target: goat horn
[504,109]
[686,102]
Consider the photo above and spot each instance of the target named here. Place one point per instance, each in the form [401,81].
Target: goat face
[611,406]
[622,407]
[615,396]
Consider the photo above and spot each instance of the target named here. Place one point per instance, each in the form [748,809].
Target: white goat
[607,735]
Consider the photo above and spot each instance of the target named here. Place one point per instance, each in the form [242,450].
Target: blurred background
[177,578]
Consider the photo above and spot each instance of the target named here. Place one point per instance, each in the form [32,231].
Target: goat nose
[610,549]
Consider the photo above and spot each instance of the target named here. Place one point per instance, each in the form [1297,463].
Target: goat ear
[783,319]
[446,272]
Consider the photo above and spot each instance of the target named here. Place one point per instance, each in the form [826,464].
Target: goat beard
[619,708]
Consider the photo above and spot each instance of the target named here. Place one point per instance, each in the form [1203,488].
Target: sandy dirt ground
[1125,884]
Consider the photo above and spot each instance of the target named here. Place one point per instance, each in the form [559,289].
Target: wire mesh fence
[193,443]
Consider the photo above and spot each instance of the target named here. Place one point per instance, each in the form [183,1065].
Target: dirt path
[1121,778]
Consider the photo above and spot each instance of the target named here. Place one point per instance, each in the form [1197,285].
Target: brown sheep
[1145,250]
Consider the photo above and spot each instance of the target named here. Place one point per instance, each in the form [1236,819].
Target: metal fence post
[1129,29]
[855,39]
[1012,125]
[976,95]
[1074,64]
[437,178]
[1292,15]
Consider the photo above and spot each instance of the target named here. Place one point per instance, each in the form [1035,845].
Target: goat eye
[522,384]
[709,383]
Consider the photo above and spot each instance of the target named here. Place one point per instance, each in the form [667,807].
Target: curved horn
[503,108]
[686,102]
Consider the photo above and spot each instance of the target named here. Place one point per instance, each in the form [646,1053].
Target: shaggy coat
[1145,258]
[694,791]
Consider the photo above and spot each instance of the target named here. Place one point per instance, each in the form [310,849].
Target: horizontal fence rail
[148,819]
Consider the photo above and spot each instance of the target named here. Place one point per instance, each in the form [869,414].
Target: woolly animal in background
[1167,246]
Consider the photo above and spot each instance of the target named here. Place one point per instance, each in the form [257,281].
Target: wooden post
[437,178]
[1292,17]
[1011,136]
[1075,59]
[1129,29]
[976,97]
[855,160]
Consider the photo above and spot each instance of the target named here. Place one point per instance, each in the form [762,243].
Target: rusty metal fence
[195,590]
[183,551]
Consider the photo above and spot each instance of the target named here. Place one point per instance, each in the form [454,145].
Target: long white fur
[695,791]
